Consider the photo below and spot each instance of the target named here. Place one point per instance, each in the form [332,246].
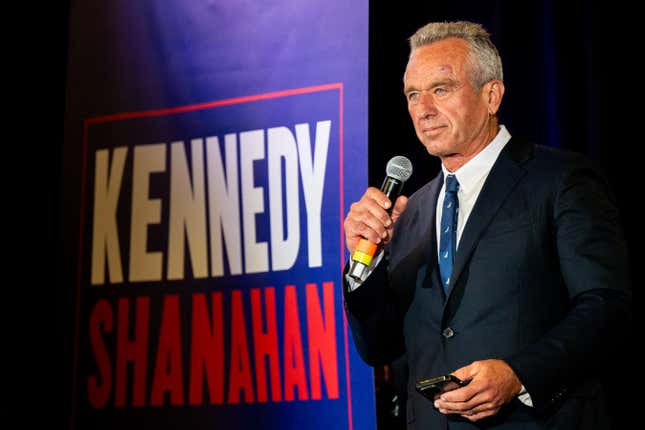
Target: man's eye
[413,96]
[440,91]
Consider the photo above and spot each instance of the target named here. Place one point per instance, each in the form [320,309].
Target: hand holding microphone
[370,221]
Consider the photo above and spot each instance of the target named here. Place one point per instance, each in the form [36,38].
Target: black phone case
[433,386]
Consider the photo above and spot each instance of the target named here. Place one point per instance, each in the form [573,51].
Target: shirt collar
[479,166]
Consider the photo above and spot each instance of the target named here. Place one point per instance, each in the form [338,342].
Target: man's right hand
[368,218]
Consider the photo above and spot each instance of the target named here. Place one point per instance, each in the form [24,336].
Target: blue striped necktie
[448,236]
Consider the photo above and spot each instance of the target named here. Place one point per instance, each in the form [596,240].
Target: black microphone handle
[392,189]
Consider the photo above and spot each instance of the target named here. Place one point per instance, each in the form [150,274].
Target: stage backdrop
[211,149]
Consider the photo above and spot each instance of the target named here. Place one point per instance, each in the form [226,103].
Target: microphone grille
[399,167]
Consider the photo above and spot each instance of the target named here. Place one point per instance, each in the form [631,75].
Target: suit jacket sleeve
[593,262]
[374,318]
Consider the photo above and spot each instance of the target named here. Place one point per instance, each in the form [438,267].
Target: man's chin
[435,149]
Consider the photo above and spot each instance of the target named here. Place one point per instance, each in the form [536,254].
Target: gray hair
[484,60]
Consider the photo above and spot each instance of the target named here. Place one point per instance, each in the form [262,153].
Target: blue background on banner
[140,56]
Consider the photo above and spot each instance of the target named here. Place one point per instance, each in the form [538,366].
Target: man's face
[450,117]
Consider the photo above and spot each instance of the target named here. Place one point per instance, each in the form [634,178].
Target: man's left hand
[493,384]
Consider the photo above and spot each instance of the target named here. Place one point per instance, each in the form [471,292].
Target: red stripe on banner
[342,264]
[214,104]
[188,108]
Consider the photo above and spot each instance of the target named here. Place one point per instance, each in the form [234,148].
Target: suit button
[448,333]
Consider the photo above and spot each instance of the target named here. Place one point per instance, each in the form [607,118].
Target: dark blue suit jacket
[540,280]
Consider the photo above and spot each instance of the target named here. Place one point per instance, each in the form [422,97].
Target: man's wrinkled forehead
[441,71]
[444,69]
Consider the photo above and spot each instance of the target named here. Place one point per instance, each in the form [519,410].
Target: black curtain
[571,77]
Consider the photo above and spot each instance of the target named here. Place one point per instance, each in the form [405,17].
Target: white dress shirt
[471,177]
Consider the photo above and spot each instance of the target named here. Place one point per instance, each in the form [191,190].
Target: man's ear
[493,92]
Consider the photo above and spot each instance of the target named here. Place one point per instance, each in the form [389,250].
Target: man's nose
[424,106]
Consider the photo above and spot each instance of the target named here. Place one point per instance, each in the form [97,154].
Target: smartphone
[440,384]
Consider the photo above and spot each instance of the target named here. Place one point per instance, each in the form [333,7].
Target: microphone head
[399,167]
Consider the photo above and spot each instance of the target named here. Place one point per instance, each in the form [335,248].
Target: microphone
[398,170]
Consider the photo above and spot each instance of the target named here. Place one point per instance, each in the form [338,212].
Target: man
[508,270]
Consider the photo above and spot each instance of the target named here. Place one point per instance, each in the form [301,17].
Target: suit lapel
[428,248]
[501,180]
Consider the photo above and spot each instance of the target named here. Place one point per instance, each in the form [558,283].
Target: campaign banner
[213,148]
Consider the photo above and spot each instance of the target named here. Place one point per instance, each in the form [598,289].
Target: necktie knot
[452,185]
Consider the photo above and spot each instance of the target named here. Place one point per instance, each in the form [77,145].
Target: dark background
[572,81]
